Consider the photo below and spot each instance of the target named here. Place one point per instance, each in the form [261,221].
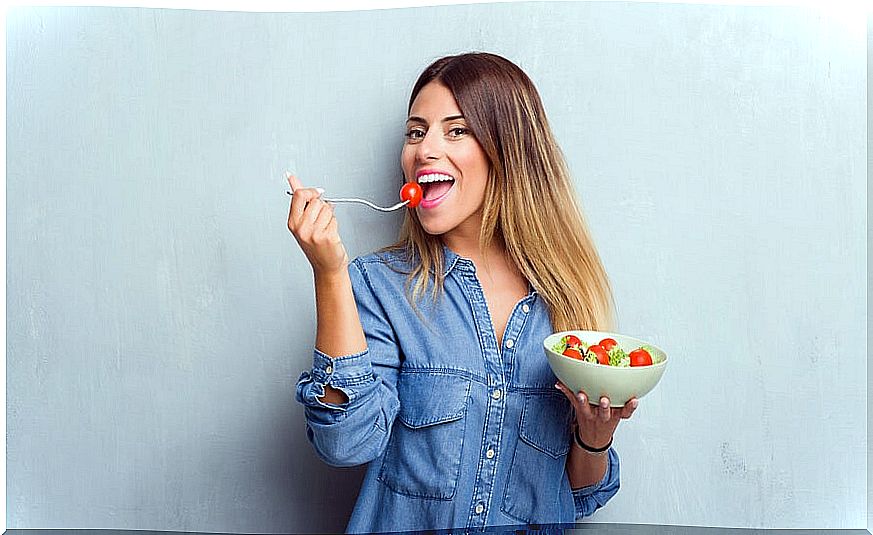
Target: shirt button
[490,453]
[496,394]
[329,369]
[479,508]
[510,343]
[525,309]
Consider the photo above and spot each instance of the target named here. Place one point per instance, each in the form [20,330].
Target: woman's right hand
[312,222]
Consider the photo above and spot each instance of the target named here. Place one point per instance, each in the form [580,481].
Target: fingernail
[319,190]
[634,404]
[581,397]
[557,386]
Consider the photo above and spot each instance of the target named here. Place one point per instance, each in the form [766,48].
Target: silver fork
[353,199]
[359,201]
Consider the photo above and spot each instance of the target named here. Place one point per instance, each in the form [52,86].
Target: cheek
[478,162]
[406,159]
[480,169]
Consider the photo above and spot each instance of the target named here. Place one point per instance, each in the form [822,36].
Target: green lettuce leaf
[617,357]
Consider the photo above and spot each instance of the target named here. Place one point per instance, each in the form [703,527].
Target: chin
[433,229]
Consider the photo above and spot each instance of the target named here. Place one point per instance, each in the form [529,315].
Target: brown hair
[529,199]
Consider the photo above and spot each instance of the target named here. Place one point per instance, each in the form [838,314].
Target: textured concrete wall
[159,313]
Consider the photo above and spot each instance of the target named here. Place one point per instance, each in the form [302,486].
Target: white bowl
[596,380]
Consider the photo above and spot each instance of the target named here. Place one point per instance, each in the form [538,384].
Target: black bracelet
[588,448]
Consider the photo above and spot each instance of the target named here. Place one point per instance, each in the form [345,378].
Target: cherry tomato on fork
[411,191]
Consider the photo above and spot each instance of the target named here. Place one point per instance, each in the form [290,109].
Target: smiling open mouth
[435,186]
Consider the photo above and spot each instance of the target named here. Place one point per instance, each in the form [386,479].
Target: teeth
[434,177]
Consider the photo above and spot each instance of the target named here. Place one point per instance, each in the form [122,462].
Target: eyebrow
[415,119]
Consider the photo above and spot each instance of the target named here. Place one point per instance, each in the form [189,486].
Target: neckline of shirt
[452,259]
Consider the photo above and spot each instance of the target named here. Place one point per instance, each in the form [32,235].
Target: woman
[428,362]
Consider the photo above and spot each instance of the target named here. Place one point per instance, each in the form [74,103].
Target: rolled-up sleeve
[589,499]
[357,431]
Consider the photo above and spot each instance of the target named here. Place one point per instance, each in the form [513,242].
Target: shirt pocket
[423,456]
[538,469]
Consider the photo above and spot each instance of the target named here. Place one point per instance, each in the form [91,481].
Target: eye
[414,135]
[458,131]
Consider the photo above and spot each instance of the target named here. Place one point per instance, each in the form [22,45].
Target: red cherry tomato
[411,192]
[640,357]
[573,352]
[600,353]
[608,344]
[572,341]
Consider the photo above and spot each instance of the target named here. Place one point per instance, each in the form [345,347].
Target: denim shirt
[458,432]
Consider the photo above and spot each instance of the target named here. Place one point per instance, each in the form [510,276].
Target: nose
[430,147]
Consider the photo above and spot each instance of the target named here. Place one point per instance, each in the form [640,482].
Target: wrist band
[586,447]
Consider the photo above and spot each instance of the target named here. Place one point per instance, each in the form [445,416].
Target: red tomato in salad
[608,344]
[411,191]
[600,353]
[640,357]
[572,341]
[573,352]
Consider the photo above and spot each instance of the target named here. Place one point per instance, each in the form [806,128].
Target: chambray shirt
[458,432]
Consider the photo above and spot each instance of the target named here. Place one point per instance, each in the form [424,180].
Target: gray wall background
[159,312]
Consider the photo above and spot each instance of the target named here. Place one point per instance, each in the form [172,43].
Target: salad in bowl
[599,363]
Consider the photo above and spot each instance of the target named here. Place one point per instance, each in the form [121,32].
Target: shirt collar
[451,260]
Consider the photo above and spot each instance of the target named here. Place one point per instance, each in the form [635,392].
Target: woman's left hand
[597,423]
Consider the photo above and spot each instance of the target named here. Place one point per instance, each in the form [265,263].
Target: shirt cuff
[348,373]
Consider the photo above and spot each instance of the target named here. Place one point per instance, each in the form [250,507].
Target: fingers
[604,413]
[584,409]
[305,205]
[629,408]
[314,221]
[298,201]
[312,211]
[293,181]
[570,396]
[332,228]
[322,221]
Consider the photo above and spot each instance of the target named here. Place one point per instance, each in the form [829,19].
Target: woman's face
[447,161]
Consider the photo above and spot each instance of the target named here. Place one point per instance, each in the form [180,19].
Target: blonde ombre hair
[529,200]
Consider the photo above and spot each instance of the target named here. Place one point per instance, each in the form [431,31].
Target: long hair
[529,198]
